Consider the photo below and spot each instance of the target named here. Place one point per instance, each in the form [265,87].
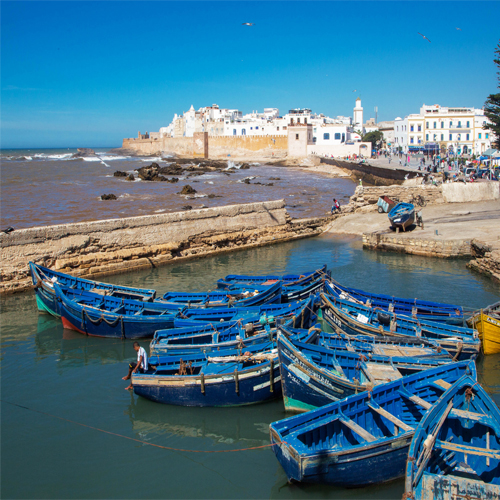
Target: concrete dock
[449,230]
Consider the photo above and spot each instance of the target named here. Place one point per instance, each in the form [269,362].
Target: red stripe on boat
[70,326]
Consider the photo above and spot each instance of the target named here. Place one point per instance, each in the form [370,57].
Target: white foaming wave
[29,158]
[208,182]
[155,159]
[159,211]
[196,195]
[90,158]
[112,158]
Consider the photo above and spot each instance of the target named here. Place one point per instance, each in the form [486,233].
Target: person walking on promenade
[141,365]
[400,160]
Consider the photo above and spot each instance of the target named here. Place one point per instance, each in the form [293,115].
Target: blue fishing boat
[44,278]
[314,376]
[362,439]
[266,313]
[221,381]
[402,216]
[209,337]
[369,345]
[287,279]
[238,298]
[419,309]
[356,319]
[104,316]
[455,452]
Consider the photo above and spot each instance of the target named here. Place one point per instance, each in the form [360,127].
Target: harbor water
[70,430]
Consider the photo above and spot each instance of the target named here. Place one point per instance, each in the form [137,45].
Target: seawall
[218,146]
[100,248]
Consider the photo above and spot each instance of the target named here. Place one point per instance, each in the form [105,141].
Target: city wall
[100,248]
[218,146]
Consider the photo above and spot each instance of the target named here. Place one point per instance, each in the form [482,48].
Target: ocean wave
[161,210]
[90,158]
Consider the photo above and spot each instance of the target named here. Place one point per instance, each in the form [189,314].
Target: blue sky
[84,74]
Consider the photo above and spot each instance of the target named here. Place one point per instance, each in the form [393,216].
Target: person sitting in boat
[141,366]
[335,206]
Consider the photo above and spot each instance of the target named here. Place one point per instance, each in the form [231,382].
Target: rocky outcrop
[119,173]
[109,196]
[486,259]
[369,195]
[187,189]
[84,152]
[99,248]
[150,173]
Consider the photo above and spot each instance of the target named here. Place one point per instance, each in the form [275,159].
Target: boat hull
[489,332]
[252,387]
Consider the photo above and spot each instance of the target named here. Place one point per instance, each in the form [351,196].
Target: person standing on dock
[141,365]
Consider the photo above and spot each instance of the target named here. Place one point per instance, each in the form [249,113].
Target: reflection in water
[246,428]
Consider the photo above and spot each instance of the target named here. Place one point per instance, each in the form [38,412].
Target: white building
[358,115]
[437,128]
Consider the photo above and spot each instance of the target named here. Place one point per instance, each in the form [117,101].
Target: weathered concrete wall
[105,247]
[460,192]
[417,246]
[358,148]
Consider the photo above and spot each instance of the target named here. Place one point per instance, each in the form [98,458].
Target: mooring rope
[134,439]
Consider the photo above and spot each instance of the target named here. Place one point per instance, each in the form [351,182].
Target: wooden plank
[442,383]
[469,450]
[469,415]
[415,399]
[391,417]
[357,429]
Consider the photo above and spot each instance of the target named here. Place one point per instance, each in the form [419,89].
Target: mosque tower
[358,116]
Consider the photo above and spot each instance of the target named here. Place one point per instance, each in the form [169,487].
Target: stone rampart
[106,247]
[218,146]
[460,192]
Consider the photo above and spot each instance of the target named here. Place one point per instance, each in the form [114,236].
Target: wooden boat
[104,316]
[419,309]
[402,216]
[237,298]
[43,279]
[266,313]
[287,279]
[362,439]
[455,452]
[314,376]
[356,319]
[368,345]
[230,381]
[209,337]
[487,322]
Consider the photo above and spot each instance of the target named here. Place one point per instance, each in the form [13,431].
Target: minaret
[358,116]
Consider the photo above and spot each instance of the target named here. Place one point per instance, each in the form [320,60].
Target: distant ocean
[48,186]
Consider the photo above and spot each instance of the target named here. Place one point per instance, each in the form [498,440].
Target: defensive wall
[217,146]
[100,248]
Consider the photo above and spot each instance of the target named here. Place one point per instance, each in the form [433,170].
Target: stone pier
[100,248]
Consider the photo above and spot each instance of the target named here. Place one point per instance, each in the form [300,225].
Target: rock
[131,177]
[173,180]
[187,189]
[274,178]
[187,207]
[151,173]
[109,197]
[83,152]
[246,181]
[119,173]
[244,166]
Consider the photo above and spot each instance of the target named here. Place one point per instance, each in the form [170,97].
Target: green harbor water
[70,430]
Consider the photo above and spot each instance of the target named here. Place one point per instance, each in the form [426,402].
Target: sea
[41,187]
[69,429]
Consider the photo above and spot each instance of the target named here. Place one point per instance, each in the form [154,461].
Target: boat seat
[442,383]
[468,450]
[415,399]
[389,416]
[357,429]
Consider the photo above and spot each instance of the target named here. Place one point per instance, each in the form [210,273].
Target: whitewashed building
[456,130]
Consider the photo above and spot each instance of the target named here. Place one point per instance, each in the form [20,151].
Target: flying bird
[247,24]
[458,29]
[354,90]
[423,36]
